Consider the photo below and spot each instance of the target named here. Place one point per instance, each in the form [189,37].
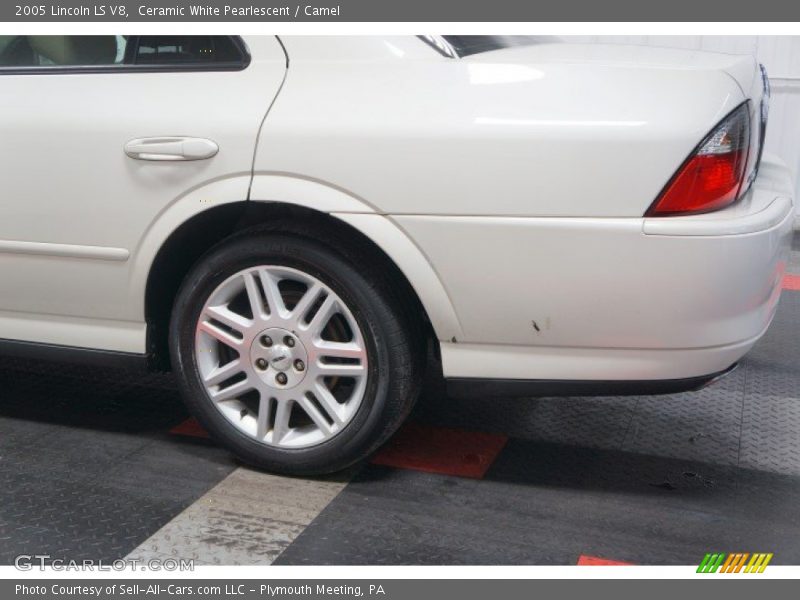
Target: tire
[323,432]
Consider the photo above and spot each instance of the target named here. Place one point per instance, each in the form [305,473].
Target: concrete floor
[93,467]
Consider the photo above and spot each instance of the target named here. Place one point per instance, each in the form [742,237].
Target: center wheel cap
[279,358]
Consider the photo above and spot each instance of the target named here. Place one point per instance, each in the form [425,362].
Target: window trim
[240,65]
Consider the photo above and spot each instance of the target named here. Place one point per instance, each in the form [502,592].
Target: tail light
[712,176]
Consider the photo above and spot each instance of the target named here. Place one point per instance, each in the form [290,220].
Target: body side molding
[63,250]
[72,354]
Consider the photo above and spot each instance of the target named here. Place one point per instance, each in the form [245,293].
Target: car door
[99,135]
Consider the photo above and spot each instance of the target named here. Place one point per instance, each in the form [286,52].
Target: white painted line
[249,518]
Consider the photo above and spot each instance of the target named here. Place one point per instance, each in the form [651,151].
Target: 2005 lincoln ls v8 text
[301,228]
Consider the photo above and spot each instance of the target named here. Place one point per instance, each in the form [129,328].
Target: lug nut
[262,364]
[299,365]
[266,341]
[289,341]
[281,378]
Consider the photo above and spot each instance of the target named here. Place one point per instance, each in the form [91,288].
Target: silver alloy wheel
[281,356]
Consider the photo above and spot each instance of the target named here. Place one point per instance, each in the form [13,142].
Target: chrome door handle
[171,148]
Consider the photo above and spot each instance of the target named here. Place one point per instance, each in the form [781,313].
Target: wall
[779,54]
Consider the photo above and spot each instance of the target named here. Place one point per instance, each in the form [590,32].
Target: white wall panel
[780,55]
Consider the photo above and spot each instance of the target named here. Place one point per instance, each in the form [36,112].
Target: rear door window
[59,53]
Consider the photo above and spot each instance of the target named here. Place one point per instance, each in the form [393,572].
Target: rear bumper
[618,299]
[727,268]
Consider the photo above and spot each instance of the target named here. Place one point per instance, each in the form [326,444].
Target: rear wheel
[291,357]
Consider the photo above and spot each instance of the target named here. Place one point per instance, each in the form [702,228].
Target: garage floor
[108,465]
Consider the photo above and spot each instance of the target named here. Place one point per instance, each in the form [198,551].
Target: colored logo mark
[734,563]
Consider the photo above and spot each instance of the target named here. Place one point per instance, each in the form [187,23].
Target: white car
[294,223]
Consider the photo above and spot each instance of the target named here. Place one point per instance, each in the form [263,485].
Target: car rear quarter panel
[412,132]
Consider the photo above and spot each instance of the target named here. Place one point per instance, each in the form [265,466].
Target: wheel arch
[354,234]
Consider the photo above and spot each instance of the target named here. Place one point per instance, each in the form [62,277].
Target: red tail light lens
[710,178]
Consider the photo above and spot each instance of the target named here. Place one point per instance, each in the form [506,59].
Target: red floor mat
[445,451]
[191,428]
[791,282]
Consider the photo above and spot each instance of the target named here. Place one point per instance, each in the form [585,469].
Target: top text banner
[400,10]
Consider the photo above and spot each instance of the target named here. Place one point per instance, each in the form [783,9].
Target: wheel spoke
[281,425]
[262,422]
[220,334]
[302,306]
[221,373]
[315,414]
[233,391]
[322,316]
[328,402]
[229,318]
[347,350]
[269,282]
[339,370]
[254,296]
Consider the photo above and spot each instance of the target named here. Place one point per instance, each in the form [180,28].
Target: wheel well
[187,244]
